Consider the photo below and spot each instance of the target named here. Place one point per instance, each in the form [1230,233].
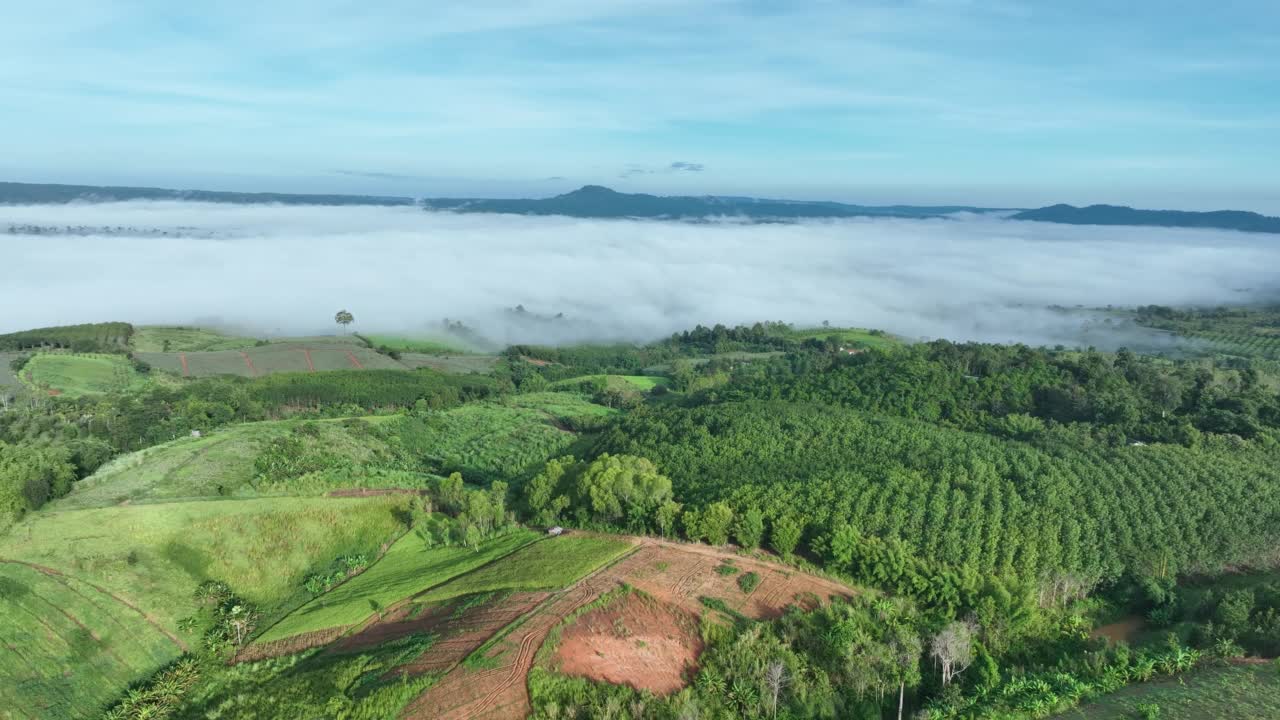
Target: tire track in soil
[534,628]
[354,362]
[150,620]
[253,372]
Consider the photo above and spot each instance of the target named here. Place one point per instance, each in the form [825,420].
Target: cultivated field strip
[675,573]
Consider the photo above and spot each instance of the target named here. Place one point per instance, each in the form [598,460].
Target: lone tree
[344,318]
[953,649]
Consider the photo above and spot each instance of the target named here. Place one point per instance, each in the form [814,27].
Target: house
[195,433]
[554,531]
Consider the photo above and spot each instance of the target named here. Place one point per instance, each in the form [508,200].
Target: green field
[643,383]
[849,337]
[425,344]
[220,464]
[457,364]
[80,374]
[1235,691]
[501,439]
[408,568]
[552,563]
[69,649]
[153,338]
[155,555]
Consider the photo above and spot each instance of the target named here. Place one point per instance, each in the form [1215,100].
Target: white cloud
[287,269]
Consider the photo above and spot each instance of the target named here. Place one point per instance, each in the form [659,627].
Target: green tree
[749,529]
[344,318]
[545,495]
[716,521]
[785,535]
[665,517]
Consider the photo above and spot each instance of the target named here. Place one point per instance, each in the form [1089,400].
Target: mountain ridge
[600,202]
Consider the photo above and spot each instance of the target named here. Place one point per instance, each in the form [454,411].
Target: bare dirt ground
[636,641]
[675,574]
[1121,631]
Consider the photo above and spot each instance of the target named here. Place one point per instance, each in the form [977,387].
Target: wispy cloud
[678,166]
[578,87]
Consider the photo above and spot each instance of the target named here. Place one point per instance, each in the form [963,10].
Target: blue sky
[1165,103]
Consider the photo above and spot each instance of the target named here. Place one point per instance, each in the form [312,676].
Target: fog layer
[288,269]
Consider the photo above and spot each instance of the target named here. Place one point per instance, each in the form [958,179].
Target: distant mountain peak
[592,191]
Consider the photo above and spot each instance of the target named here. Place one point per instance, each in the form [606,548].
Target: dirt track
[672,573]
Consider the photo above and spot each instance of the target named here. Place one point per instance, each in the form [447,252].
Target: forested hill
[1122,215]
[31,193]
[595,201]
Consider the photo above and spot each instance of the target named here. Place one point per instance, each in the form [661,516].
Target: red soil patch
[182,358]
[1122,631]
[53,393]
[635,641]
[306,353]
[354,362]
[676,575]
[249,364]
[535,361]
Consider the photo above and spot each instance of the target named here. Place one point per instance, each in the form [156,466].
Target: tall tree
[344,318]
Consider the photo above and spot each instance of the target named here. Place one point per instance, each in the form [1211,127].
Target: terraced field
[300,355]
[68,647]
[491,683]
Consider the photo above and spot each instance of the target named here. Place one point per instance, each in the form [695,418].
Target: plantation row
[95,337]
[998,507]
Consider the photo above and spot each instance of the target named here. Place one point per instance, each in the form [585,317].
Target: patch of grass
[425,344]
[748,582]
[317,684]
[642,383]
[1236,691]
[165,338]
[69,650]
[155,555]
[81,374]
[849,337]
[726,569]
[499,440]
[221,464]
[409,567]
[551,563]
[455,364]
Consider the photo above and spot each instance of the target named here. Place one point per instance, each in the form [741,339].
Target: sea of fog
[287,269]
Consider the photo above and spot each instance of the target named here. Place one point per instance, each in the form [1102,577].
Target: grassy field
[425,344]
[219,464]
[69,649]
[643,383]
[155,555]
[456,364]
[849,337]
[552,563]
[1237,691]
[498,440]
[80,374]
[296,355]
[408,568]
[153,338]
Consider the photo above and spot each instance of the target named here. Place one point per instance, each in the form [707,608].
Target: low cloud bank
[288,269]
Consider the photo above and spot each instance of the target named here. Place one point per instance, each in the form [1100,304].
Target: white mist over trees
[279,269]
